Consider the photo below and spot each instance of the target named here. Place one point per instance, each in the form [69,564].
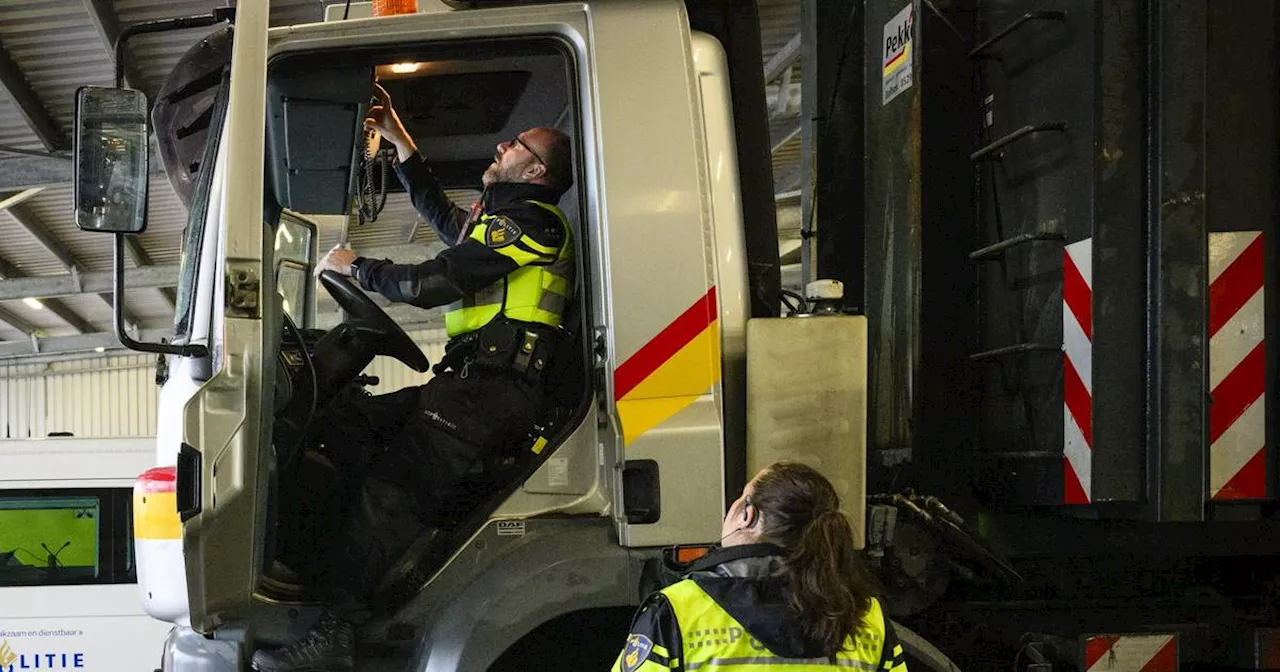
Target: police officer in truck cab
[505,280]
[785,591]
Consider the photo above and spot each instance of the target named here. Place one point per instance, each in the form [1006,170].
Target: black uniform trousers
[430,443]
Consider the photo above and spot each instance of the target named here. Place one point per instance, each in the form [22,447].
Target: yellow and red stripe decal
[671,371]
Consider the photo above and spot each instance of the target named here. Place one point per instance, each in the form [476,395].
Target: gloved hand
[338,259]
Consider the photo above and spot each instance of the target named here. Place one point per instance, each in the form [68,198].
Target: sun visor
[314,117]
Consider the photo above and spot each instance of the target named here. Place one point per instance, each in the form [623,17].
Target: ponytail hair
[829,589]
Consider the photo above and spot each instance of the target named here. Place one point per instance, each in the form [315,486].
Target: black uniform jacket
[744,581]
[468,265]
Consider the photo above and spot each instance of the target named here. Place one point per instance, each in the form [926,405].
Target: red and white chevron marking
[1077,372]
[1237,366]
[1131,653]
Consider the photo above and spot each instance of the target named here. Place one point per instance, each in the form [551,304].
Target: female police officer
[784,592]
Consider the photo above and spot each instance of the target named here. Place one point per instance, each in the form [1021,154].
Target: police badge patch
[501,232]
[638,648]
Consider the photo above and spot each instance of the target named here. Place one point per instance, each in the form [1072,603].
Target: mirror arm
[217,16]
[189,350]
[182,22]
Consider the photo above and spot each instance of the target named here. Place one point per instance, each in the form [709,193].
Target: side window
[294,261]
[65,537]
[194,233]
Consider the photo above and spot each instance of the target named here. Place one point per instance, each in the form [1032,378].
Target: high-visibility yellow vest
[715,641]
[536,292]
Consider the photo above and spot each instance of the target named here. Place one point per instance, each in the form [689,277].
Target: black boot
[328,647]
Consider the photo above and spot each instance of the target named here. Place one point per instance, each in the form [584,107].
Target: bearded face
[506,167]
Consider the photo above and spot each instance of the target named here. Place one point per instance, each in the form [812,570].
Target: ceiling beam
[130,320]
[22,172]
[64,313]
[142,258]
[17,286]
[9,200]
[137,251]
[29,221]
[784,59]
[789,182]
[8,270]
[781,134]
[73,344]
[14,84]
[107,24]
[19,172]
[782,101]
[18,151]
[16,322]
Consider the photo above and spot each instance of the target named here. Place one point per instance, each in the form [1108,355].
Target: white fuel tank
[807,401]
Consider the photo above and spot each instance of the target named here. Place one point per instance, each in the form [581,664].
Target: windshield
[193,234]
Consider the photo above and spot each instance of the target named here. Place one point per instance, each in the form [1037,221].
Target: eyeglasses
[517,141]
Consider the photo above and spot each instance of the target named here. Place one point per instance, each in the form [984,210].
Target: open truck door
[210,410]
[223,468]
[211,423]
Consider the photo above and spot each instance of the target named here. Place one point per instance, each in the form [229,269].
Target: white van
[68,591]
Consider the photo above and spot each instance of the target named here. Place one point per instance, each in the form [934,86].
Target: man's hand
[383,118]
[338,259]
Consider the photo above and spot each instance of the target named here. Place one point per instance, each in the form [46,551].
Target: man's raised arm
[424,189]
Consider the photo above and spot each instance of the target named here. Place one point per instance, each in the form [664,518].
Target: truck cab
[648,440]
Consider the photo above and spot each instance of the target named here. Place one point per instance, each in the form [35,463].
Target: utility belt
[520,349]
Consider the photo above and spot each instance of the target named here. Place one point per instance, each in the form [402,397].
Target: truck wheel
[921,651]
[583,640]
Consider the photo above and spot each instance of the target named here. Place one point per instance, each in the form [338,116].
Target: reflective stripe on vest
[714,640]
[537,292]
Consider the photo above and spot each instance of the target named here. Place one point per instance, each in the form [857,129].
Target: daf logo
[510,528]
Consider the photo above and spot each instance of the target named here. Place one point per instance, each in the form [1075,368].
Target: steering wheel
[367,314]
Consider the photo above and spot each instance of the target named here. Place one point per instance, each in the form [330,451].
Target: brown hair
[830,590]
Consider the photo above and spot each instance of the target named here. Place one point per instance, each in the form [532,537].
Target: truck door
[221,478]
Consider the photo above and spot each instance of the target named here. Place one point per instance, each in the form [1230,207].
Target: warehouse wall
[103,396]
[116,396]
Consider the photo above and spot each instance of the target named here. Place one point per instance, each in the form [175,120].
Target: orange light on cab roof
[393,7]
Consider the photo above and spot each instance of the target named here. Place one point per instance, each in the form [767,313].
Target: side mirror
[111,160]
